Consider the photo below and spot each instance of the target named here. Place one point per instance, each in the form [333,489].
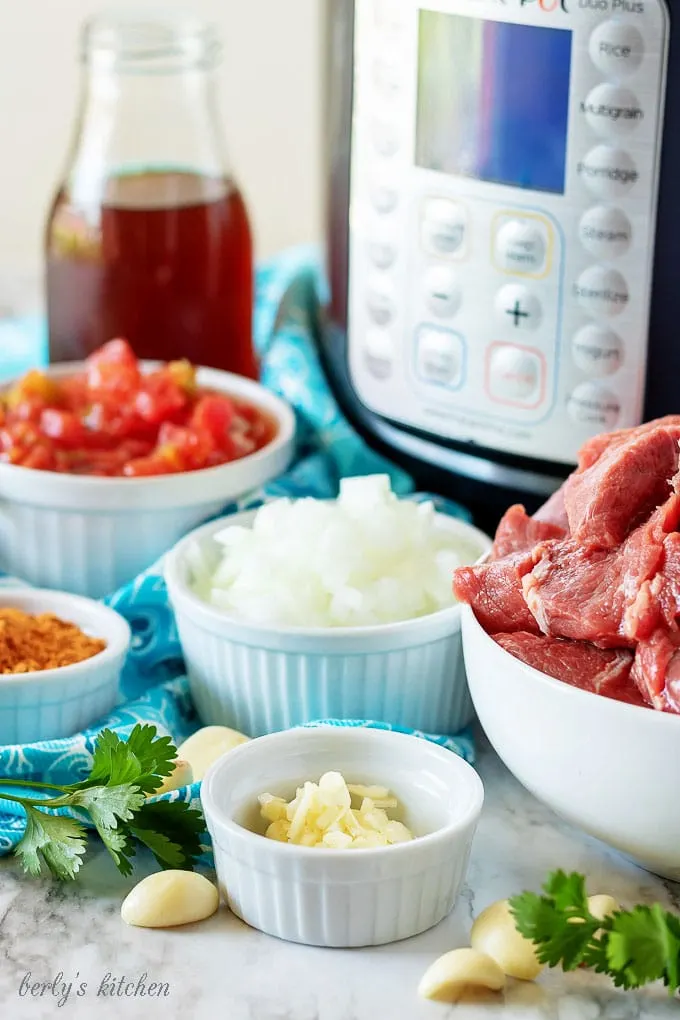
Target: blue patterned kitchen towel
[153,686]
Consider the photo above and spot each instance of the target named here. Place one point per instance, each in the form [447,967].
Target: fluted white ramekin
[258,679]
[56,703]
[90,535]
[342,898]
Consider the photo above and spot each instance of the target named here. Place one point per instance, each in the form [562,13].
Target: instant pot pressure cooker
[504,232]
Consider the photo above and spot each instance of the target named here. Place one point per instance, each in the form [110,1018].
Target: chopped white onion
[365,558]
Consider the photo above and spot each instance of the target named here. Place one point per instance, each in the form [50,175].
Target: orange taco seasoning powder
[29,643]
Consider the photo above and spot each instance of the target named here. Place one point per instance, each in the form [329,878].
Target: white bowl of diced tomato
[105,464]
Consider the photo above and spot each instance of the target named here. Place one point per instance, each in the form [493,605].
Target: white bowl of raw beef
[608,767]
[571,639]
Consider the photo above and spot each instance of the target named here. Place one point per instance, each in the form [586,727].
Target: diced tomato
[40,458]
[113,420]
[116,422]
[214,414]
[160,398]
[193,446]
[113,369]
[64,427]
[166,460]
[23,444]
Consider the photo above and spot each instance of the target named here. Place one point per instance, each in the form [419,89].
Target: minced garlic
[322,814]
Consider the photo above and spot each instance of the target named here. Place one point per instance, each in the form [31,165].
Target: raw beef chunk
[624,485]
[573,591]
[593,448]
[657,603]
[587,593]
[574,662]
[594,576]
[554,511]
[656,670]
[518,532]
[494,590]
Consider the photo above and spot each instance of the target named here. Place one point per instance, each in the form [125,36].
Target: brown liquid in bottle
[165,261]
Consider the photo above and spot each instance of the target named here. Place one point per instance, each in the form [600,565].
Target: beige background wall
[271,105]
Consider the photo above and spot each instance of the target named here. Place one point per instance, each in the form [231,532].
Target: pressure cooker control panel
[505,164]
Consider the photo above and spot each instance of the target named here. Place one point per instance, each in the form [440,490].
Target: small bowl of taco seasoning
[61,657]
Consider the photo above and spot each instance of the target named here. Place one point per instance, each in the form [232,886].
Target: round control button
[597,351]
[439,357]
[608,172]
[384,198]
[380,303]
[442,291]
[379,352]
[601,291]
[520,247]
[616,48]
[514,374]
[443,226]
[605,232]
[382,252]
[518,308]
[385,138]
[592,405]
[612,111]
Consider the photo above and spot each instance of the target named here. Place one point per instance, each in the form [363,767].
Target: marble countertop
[224,967]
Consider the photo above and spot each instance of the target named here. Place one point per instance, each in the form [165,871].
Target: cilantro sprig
[633,947]
[113,799]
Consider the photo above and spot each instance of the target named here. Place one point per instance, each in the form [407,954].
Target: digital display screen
[493,100]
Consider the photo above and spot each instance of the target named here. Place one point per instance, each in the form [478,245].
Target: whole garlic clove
[167,899]
[459,973]
[494,933]
[208,744]
[181,775]
[602,905]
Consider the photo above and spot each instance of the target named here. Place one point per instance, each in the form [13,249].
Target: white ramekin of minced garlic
[297,861]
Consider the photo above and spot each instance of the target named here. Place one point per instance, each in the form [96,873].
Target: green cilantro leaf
[568,893]
[114,799]
[172,831]
[106,805]
[120,845]
[156,756]
[562,935]
[144,759]
[112,761]
[633,947]
[643,947]
[59,841]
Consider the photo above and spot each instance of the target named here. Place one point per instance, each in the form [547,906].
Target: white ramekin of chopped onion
[309,609]
[305,851]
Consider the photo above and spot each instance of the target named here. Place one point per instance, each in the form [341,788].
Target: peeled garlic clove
[180,776]
[459,973]
[208,744]
[494,933]
[602,906]
[170,898]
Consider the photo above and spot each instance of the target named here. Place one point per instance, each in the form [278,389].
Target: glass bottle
[148,236]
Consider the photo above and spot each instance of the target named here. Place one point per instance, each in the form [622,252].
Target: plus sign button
[518,308]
